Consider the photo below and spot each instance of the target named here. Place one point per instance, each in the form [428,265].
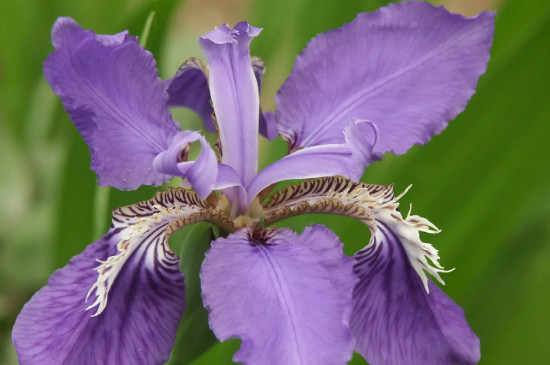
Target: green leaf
[194,335]
[102,214]
[146,29]
[75,214]
[163,10]
[220,353]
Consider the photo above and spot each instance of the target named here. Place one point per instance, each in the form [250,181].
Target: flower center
[252,217]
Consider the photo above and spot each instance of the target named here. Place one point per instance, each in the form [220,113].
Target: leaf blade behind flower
[194,335]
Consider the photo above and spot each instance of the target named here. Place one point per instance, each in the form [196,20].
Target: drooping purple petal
[235,95]
[287,296]
[110,88]
[189,88]
[408,68]
[138,325]
[394,319]
[201,174]
[120,301]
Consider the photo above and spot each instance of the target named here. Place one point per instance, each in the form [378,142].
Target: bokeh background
[485,180]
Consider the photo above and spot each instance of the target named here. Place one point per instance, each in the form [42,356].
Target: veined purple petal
[201,174]
[138,326]
[268,125]
[120,301]
[189,88]
[287,296]
[110,88]
[227,177]
[230,182]
[345,159]
[310,162]
[235,95]
[394,319]
[408,68]
[399,316]
[361,138]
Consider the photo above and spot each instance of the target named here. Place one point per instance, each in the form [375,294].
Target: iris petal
[235,95]
[310,162]
[138,326]
[189,88]
[409,68]
[120,301]
[400,316]
[344,159]
[110,88]
[201,173]
[286,296]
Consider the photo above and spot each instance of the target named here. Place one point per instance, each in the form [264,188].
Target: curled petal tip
[250,30]
[225,34]
[220,35]
[201,173]
[63,31]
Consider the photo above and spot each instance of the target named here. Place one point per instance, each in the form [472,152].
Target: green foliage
[194,336]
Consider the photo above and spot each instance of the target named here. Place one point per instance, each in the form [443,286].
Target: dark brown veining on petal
[260,236]
[174,208]
[328,195]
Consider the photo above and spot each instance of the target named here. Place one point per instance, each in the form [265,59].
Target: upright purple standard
[381,83]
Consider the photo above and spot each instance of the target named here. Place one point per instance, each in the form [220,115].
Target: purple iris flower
[381,83]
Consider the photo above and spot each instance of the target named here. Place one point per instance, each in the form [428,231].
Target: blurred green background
[485,180]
